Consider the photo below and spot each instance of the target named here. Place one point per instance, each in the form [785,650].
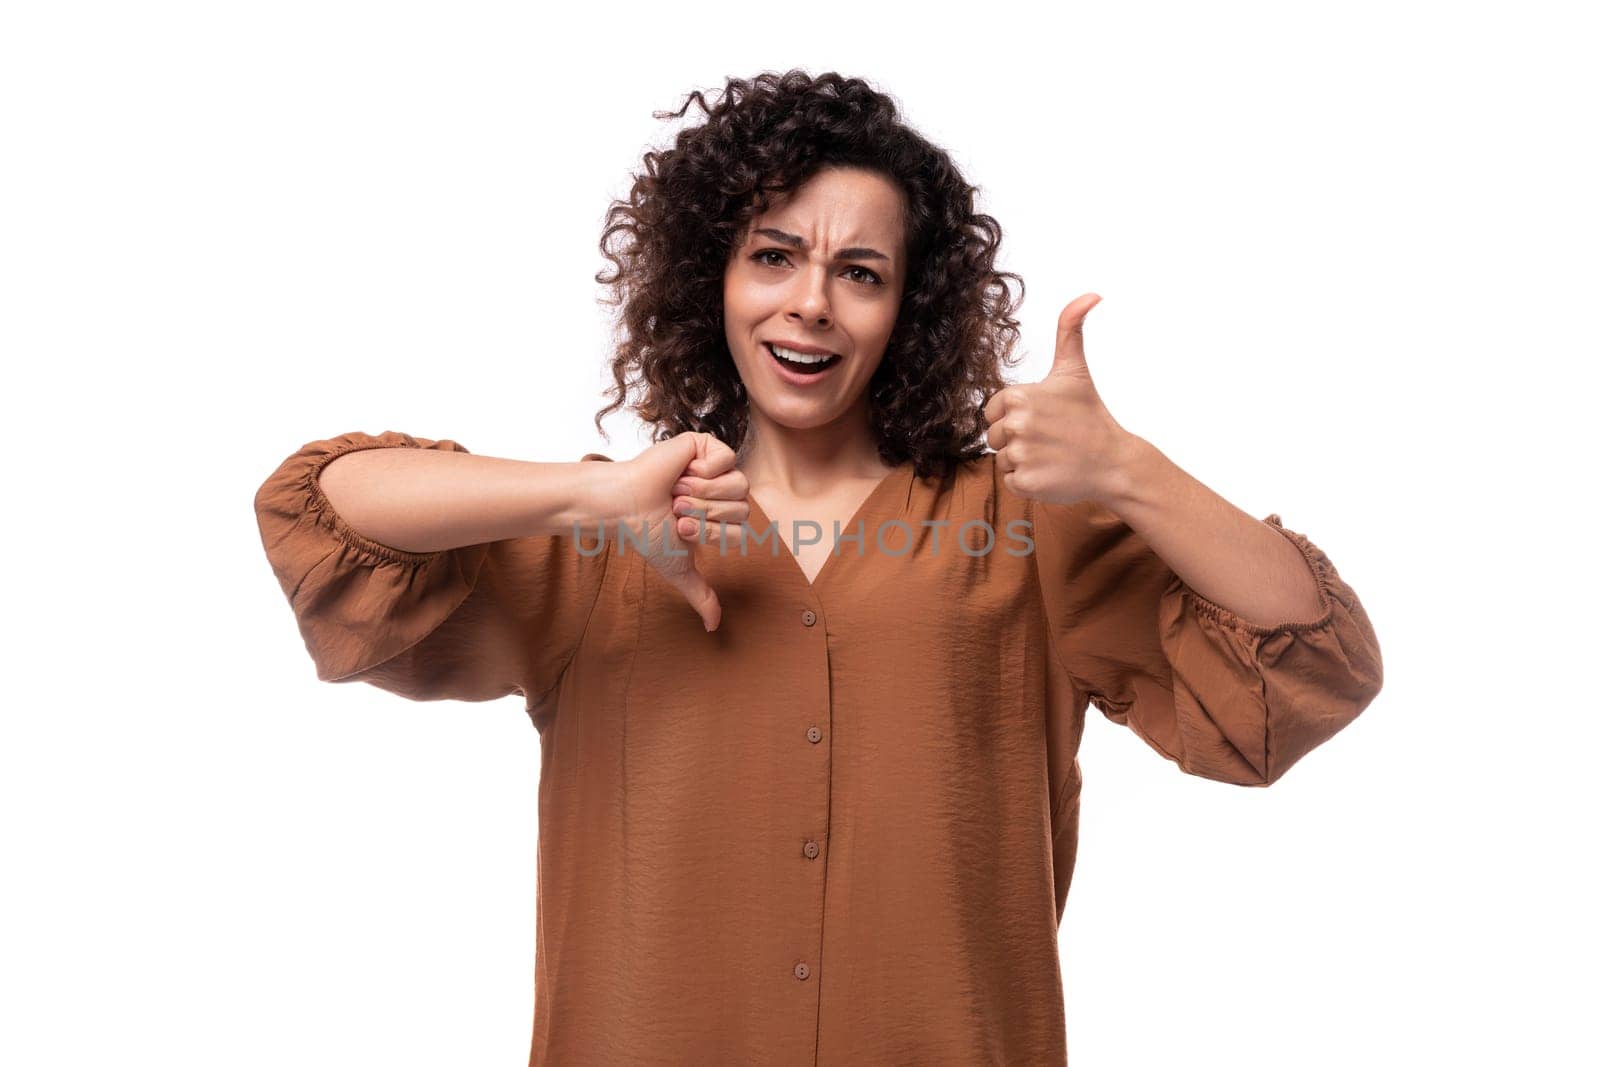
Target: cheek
[741,311]
[742,308]
[877,328]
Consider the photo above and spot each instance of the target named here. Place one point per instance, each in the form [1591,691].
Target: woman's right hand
[689,472]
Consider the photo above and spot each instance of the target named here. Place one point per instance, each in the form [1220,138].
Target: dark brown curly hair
[686,214]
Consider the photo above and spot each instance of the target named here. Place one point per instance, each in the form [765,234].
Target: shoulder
[973,489]
[1071,527]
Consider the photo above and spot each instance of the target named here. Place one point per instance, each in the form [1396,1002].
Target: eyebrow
[844,253]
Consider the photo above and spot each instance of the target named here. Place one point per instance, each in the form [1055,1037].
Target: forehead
[839,206]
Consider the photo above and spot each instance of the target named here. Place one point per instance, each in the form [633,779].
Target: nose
[808,297]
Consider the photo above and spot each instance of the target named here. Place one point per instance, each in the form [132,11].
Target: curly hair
[954,329]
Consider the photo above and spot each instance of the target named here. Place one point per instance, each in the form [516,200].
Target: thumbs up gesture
[1055,441]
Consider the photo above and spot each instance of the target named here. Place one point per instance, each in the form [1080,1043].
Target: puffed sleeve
[1222,697]
[471,623]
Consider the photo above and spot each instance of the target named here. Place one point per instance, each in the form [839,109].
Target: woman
[810,673]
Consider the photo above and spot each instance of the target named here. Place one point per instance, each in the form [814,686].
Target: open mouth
[801,363]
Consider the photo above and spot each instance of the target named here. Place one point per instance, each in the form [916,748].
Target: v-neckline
[868,503]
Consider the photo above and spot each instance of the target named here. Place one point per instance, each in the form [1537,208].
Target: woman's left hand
[1055,439]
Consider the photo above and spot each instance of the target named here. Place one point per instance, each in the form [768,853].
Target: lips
[801,373]
[827,358]
[796,346]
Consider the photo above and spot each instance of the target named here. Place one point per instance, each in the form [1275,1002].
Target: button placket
[811,849]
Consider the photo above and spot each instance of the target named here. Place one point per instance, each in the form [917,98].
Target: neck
[810,461]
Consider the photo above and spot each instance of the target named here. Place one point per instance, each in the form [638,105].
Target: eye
[760,257]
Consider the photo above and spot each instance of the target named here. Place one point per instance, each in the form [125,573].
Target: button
[813,735]
[801,971]
[811,850]
[808,617]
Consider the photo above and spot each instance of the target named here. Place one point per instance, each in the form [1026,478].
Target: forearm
[422,500]
[1221,552]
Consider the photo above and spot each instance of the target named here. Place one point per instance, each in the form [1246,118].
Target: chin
[804,415]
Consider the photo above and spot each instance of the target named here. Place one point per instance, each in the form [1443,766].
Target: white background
[1348,261]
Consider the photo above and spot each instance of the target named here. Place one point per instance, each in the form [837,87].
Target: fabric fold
[472,623]
[1221,696]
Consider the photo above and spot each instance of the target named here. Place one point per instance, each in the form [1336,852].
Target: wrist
[607,497]
[1127,480]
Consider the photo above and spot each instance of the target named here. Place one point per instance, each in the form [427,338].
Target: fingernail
[681,487]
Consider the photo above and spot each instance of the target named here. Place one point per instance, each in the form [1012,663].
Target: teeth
[797,357]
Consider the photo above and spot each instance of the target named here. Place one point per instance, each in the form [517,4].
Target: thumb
[1069,336]
[698,592]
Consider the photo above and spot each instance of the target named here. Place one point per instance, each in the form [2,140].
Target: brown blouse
[841,828]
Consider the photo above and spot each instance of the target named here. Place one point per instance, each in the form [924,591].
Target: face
[823,269]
